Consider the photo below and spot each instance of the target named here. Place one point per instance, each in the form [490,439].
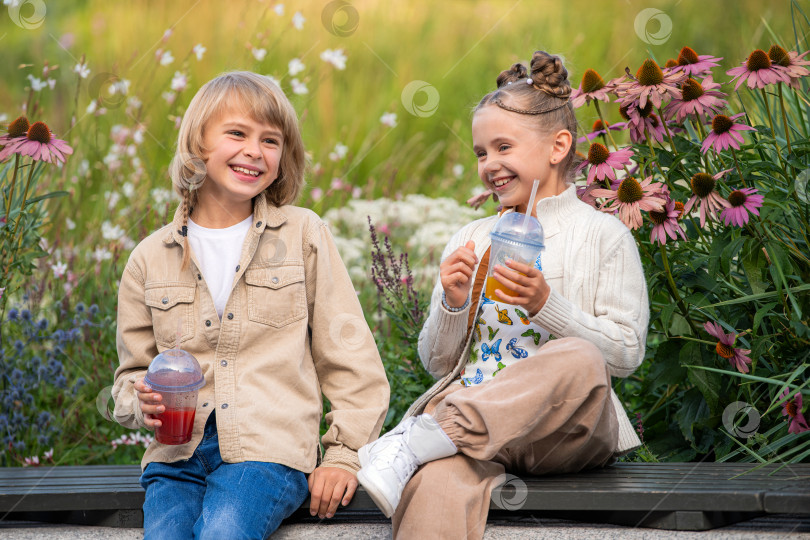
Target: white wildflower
[389,119]
[121,86]
[166,58]
[295,66]
[110,231]
[82,70]
[279,9]
[458,170]
[169,97]
[259,54]
[199,50]
[37,84]
[70,224]
[59,269]
[179,81]
[298,20]
[101,254]
[339,152]
[299,87]
[160,196]
[112,198]
[337,58]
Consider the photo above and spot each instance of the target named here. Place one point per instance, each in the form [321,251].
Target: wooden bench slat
[682,496]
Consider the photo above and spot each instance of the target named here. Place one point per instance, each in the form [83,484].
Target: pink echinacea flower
[738,358]
[725,133]
[741,201]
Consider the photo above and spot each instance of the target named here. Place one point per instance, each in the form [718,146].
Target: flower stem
[674,289]
[666,128]
[607,130]
[22,203]
[770,122]
[737,164]
[11,190]
[784,119]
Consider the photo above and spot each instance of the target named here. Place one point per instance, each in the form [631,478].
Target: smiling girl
[254,288]
[524,378]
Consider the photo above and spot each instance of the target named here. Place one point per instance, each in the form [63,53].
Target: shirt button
[224,363]
[274,280]
[199,276]
[165,300]
[205,404]
[230,316]
[238,267]
[207,323]
[258,225]
[224,405]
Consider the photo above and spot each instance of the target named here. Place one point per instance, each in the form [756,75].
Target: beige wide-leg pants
[548,413]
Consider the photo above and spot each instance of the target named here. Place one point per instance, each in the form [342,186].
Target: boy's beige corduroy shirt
[291,330]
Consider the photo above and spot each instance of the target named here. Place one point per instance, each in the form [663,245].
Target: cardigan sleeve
[443,335]
[618,325]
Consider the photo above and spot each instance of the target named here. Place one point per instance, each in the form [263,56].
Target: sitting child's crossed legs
[549,413]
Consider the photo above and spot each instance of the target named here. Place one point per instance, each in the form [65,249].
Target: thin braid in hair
[187,196]
[553,107]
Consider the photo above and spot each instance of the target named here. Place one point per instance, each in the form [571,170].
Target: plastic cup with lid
[176,375]
[516,237]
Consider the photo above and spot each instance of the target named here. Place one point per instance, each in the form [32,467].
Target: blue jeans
[204,497]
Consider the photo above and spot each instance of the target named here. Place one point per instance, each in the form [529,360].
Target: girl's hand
[150,404]
[456,274]
[527,281]
[328,487]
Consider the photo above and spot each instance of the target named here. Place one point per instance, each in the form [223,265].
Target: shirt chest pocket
[172,313]
[276,295]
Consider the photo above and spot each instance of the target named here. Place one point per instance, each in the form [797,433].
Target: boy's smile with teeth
[245,170]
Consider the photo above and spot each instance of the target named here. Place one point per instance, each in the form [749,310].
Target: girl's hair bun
[549,75]
[516,73]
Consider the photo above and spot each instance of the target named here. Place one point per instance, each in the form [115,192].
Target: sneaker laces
[396,455]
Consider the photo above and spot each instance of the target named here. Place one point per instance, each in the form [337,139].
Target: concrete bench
[676,496]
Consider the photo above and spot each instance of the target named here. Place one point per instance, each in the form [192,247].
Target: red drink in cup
[177,377]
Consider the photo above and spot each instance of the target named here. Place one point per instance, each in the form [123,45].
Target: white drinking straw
[531,205]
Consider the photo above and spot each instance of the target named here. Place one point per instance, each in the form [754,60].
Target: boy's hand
[527,281]
[150,404]
[327,485]
[456,273]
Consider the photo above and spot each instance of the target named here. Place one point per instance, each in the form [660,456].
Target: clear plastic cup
[511,240]
[177,377]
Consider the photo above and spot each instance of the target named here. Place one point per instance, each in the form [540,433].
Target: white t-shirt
[218,252]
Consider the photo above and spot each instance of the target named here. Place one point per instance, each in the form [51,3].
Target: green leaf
[708,383]
[762,312]
[666,313]
[46,196]
[761,296]
[666,367]
[693,411]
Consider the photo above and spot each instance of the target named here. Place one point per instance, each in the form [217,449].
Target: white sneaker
[389,462]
